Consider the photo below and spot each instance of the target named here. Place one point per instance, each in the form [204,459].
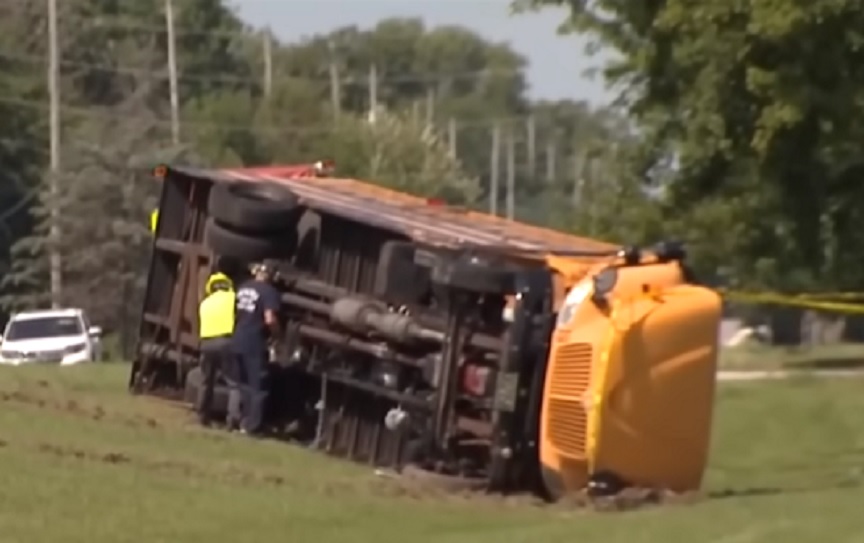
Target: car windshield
[43,327]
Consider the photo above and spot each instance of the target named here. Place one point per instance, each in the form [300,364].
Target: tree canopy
[759,105]
[440,95]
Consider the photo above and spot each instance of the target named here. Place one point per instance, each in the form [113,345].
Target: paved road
[785,374]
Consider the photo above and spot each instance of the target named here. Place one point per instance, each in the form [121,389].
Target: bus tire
[473,274]
[254,207]
[226,242]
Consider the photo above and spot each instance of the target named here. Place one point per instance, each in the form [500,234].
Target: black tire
[254,207]
[228,243]
[220,399]
[194,382]
[474,274]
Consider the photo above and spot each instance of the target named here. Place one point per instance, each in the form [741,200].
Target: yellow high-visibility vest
[216,315]
[154,220]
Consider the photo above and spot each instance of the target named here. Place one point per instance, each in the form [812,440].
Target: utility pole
[430,107]
[551,166]
[268,64]
[55,262]
[172,72]
[511,175]
[335,88]
[373,93]
[531,129]
[589,193]
[451,137]
[579,158]
[494,163]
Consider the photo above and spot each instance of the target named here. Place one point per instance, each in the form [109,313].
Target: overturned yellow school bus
[450,342]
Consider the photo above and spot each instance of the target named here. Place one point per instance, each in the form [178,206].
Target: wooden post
[551,165]
[578,175]
[511,175]
[172,72]
[55,261]
[494,163]
[430,108]
[451,137]
[531,135]
[373,93]
[335,83]
[268,64]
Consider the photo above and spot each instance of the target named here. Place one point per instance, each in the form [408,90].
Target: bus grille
[568,418]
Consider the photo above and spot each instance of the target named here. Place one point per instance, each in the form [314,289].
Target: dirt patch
[629,499]
[228,473]
[80,454]
[20,397]
[383,484]
[75,408]
[390,484]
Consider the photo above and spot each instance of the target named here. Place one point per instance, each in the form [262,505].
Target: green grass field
[80,460]
[816,357]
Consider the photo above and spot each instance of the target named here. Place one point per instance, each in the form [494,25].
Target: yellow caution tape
[802,301]
[833,296]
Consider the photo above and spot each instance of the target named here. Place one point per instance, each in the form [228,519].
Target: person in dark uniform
[216,326]
[256,320]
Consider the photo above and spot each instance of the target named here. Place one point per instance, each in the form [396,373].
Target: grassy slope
[82,461]
[816,357]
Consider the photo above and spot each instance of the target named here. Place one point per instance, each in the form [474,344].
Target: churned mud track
[410,486]
[173,467]
[414,486]
[71,407]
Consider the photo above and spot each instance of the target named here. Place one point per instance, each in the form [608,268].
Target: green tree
[105,194]
[115,124]
[761,105]
[402,153]
[438,74]
[22,132]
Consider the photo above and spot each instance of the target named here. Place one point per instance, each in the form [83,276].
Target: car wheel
[230,243]
[254,207]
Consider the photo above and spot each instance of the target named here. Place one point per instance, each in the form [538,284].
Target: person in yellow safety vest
[154,220]
[216,327]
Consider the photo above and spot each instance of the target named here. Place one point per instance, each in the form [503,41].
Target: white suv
[61,336]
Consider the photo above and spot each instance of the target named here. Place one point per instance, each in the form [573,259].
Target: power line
[356,80]
[316,130]
[113,22]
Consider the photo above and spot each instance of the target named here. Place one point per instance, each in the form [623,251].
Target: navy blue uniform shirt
[250,331]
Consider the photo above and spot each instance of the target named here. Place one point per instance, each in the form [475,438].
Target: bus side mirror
[604,283]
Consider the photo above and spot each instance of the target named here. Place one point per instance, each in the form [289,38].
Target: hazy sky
[556,63]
